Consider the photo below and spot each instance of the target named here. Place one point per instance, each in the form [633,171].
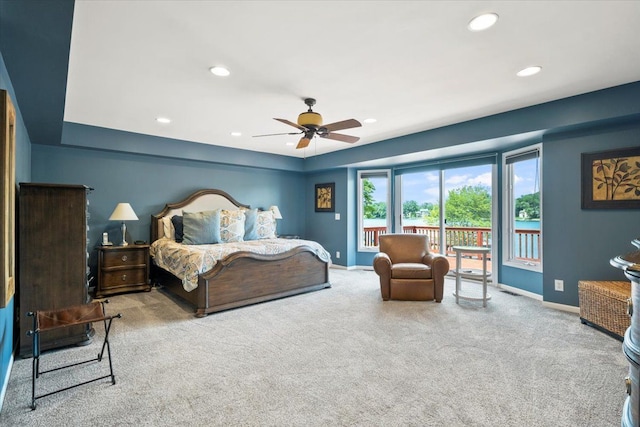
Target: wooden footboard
[246,278]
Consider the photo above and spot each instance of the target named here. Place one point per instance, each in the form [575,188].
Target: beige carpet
[337,357]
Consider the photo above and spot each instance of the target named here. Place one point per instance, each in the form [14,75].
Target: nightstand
[122,269]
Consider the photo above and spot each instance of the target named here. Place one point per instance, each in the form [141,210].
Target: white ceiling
[412,65]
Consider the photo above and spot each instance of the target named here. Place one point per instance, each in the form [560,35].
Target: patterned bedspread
[188,261]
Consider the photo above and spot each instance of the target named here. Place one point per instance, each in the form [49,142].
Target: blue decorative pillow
[250,230]
[176,220]
[201,228]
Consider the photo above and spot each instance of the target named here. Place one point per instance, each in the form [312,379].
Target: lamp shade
[276,212]
[123,212]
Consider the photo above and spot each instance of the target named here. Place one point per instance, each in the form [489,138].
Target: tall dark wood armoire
[53,257]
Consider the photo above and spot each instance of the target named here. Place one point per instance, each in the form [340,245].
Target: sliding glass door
[453,206]
[420,201]
[468,208]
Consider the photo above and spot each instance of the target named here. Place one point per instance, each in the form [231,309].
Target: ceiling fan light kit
[309,117]
[310,124]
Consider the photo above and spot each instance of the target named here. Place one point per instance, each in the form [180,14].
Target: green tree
[410,209]
[372,209]
[469,206]
[379,210]
[367,194]
[433,217]
[529,203]
[426,206]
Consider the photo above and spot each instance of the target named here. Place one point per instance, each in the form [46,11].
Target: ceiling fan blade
[295,125]
[345,124]
[304,142]
[275,134]
[341,137]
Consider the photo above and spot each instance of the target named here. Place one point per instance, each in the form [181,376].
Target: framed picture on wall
[7,198]
[325,197]
[611,179]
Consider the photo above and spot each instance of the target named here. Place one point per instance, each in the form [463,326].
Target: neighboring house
[150,171]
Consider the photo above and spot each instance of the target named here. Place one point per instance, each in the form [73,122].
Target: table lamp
[276,212]
[123,212]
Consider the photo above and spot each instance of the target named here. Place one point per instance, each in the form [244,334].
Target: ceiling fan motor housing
[310,118]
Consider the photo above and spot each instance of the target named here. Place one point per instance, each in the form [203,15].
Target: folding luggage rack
[48,320]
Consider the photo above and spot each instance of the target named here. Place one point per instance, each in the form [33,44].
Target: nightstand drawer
[122,269]
[124,277]
[124,258]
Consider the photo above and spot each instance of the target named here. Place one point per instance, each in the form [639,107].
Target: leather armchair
[408,270]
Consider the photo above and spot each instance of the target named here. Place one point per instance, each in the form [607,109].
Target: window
[374,204]
[522,212]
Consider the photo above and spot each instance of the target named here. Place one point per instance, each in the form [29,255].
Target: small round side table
[459,250]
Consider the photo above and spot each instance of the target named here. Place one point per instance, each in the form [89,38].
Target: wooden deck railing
[528,241]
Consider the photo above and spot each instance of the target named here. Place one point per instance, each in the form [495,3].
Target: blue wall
[148,182]
[578,244]
[322,226]
[23,172]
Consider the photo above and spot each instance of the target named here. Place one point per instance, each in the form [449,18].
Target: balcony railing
[527,241]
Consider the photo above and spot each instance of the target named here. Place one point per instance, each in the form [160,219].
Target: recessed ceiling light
[482,22]
[529,71]
[236,133]
[164,120]
[371,120]
[219,71]
[290,144]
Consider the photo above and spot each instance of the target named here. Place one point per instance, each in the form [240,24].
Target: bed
[212,277]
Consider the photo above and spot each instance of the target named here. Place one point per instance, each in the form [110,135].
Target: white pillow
[168,230]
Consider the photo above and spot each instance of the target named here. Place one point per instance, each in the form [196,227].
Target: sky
[423,186]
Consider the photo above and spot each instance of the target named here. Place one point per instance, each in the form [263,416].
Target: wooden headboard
[201,200]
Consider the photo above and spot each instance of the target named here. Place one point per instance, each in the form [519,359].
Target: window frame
[508,209]
[363,174]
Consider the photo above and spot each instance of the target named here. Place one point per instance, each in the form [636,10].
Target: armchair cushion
[410,270]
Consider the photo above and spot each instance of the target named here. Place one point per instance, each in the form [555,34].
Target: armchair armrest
[382,264]
[439,268]
[439,263]
[382,267]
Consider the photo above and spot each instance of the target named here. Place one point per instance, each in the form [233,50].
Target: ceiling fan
[310,124]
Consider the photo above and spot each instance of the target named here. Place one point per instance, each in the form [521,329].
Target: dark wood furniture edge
[103,293]
[203,299]
[601,329]
[229,260]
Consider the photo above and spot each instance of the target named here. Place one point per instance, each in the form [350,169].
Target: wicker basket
[603,305]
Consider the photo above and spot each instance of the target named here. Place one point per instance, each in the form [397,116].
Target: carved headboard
[201,200]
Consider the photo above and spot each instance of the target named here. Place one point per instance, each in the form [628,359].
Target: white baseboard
[353,267]
[5,382]
[561,307]
[554,305]
[519,291]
